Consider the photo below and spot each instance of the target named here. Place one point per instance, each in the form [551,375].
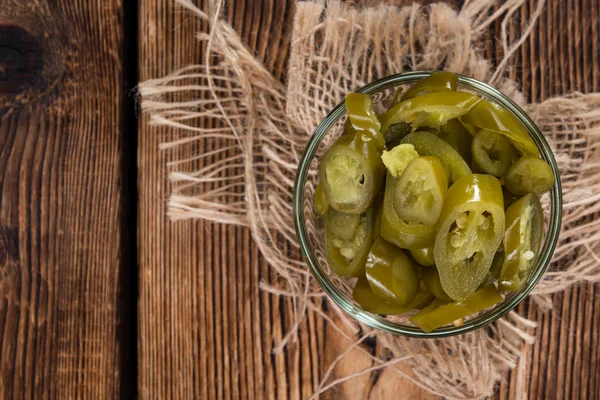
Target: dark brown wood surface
[61,200]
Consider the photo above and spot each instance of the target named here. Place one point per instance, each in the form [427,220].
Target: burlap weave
[264,127]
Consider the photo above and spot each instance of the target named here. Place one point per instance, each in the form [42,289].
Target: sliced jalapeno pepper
[440,313]
[469,231]
[457,136]
[494,273]
[420,192]
[522,241]
[397,98]
[391,274]
[423,256]
[530,175]
[352,174]
[492,153]
[342,225]
[377,211]
[348,128]
[470,128]
[428,144]
[437,82]
[431,279]
[429,110]
[488,115]
[509,198]
[348,257]
[363,118]
[321,203]
[370,302]
[408,235]
[396,133]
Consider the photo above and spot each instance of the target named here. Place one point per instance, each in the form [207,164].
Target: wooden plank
[206,330]
[61,113]
[195,283]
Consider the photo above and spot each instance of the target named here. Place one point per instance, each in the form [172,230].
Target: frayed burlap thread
[263,126]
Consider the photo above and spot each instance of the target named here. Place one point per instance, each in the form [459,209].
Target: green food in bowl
[444,194]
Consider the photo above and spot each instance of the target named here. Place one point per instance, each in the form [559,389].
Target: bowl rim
[377,321]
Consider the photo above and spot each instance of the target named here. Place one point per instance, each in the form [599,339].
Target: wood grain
[60,198]
[199,281]
[207,331]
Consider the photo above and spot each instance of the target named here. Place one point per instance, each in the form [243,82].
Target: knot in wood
[21,60]
[33,38]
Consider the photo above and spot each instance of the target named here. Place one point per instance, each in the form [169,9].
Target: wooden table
[102,297]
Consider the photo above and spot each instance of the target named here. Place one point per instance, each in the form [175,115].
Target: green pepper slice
[522,241]
[420,192]
[397,97]
[408,235]
[469,231]
[321,203]
[352,174]
[377,211]
[440,313]
[370,302]
[363,118]
[529,175]
[441,81]
[494,273]
[431,279]
[492,153]
[335,248]
[509,198]
[430,110]
[423,256]
[428,144]
[342,225]
[470,128]
[348,257]
[391,274]
[396,133]
[348,128]
[488,115]
[456,135]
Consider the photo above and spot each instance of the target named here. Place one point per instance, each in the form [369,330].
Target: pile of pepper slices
[434,206]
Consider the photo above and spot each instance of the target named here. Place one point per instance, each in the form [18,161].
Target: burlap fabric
[263,127]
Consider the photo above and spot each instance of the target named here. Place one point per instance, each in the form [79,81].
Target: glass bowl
[309,228]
